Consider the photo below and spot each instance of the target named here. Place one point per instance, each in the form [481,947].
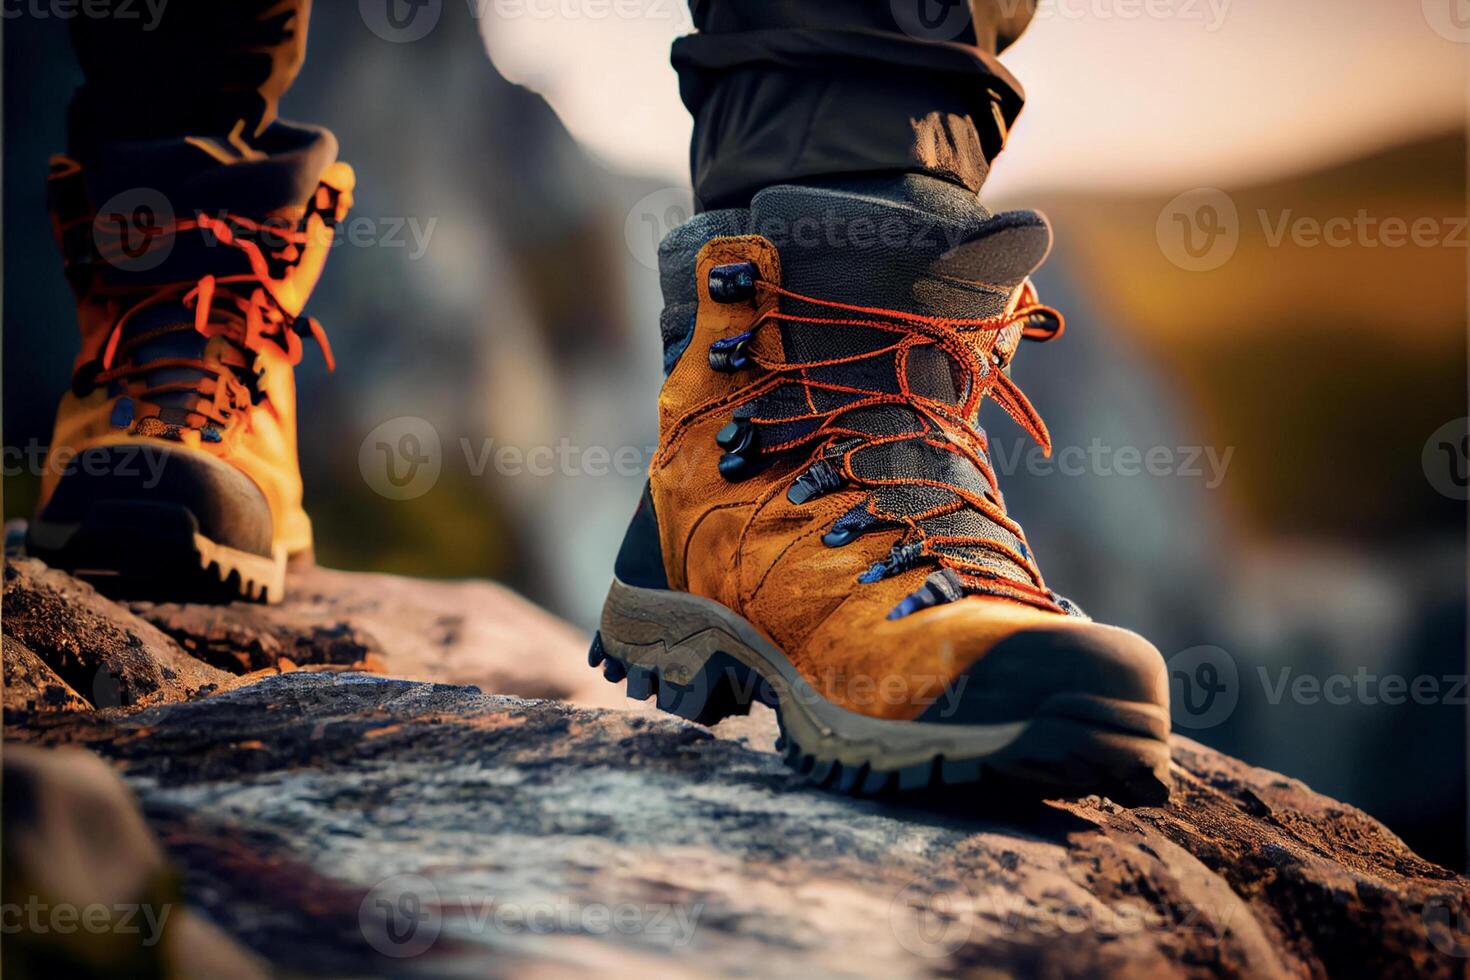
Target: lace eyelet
[733,282]
[740,440]
[820,478]
[727,355]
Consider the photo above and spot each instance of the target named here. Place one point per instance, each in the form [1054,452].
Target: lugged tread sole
[1074,746]
[154,551]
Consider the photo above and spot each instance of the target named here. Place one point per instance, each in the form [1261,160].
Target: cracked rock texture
[339,800]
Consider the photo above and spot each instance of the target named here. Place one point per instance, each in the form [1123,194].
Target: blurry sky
[1202,91]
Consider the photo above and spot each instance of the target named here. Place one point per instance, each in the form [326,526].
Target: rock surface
[64,643]
[67,647]
[343,822]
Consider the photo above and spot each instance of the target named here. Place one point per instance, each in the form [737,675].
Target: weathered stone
[349,823]
[103,653]
[31,684]
[67,637]
[244,637]
[475,633]
[299,803]
[457,632]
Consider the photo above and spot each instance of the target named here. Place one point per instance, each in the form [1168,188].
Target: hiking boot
[822,529]
[173,471]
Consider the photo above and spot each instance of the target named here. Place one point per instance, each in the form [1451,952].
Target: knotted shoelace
[252,311]
[969,345]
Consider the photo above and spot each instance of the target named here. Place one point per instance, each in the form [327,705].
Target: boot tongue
[175,344]
[917,245]
[911,243]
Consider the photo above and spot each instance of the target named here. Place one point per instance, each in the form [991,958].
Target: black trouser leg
[200,68]
[166,102]
[787,90]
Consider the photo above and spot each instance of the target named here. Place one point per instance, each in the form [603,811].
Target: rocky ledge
[391,777]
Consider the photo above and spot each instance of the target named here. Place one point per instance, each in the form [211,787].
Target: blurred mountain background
[526,314]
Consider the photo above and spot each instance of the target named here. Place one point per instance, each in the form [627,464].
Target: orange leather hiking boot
[822,529]
[173,471]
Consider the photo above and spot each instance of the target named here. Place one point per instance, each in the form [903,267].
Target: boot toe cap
[228,507]
[1022,672]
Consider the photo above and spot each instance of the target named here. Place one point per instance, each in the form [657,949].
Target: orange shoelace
[248,309]
[945,426]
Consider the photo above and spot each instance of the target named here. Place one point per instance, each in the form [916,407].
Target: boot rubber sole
[152,550]
[704,662]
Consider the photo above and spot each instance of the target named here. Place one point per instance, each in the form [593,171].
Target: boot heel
[679,663]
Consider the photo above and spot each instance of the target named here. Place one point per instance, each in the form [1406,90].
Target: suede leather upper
[258,441]
[747,546]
